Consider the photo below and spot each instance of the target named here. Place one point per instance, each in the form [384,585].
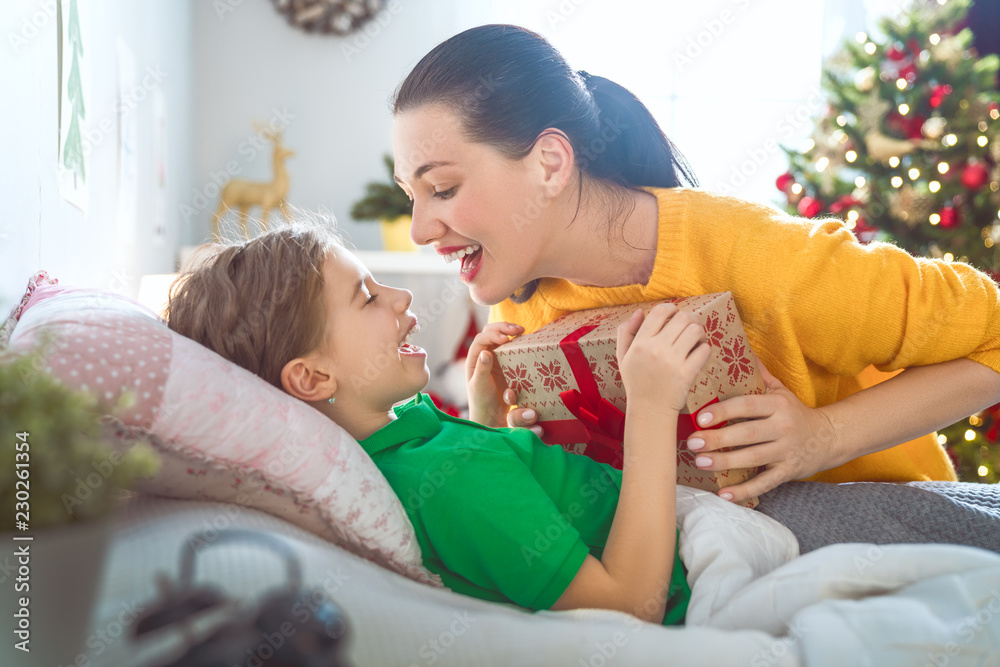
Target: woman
[559,192]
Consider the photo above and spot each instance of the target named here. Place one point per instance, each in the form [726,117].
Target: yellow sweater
[827,315]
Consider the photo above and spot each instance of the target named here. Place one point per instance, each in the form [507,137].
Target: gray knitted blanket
[820,514]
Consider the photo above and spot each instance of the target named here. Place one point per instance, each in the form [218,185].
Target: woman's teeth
[467,250]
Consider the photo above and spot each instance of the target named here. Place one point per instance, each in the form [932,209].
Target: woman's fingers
[755,486]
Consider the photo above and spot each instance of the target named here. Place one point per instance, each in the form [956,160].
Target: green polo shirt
[499,514]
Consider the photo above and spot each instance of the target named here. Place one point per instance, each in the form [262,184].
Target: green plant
[382,201]
[55,463]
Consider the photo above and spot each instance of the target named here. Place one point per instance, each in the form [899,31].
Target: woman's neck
[611,243]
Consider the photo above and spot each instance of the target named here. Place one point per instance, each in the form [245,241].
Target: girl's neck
[611,243]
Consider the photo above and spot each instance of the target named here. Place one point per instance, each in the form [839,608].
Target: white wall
[38,230]
[250,61]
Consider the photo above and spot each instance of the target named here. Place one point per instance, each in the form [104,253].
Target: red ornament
[950,217]
[785,181]
[863,230]
[975,176]
[894,53]
[845,202]
[915,47]
[938,93]
[809,207]
[910,126]
[909,72]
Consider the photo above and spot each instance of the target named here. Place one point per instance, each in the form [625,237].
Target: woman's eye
[446,194]
[371,298]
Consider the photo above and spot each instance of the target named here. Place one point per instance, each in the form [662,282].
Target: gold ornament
[934,127]
[882,148]
[871,112]
[949,51]
[909,205]
[864,80]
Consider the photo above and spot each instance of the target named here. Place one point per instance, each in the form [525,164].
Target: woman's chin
[486,294]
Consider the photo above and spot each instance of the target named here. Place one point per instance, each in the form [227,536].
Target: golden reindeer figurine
[243,195]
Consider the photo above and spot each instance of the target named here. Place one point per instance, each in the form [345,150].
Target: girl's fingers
[522,417]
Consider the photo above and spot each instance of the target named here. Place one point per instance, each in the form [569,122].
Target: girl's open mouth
[411,349]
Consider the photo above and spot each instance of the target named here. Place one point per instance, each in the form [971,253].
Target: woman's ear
[303,379]
[554,155]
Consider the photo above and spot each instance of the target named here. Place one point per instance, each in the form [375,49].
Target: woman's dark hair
[508,84]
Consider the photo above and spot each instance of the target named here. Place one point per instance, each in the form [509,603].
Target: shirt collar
[417,419]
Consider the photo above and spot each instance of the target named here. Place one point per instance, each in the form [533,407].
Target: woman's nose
[424,228]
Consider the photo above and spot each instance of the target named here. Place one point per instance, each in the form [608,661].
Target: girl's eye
[371,298]
[446,194]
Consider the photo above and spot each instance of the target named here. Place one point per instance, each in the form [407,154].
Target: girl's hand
[660,354]
[489,397]
[788,438]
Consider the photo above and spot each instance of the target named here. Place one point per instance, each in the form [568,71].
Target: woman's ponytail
[628,147]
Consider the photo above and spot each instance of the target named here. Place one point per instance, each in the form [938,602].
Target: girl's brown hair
[258,303]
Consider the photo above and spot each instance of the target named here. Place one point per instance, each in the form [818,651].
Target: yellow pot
[396,234]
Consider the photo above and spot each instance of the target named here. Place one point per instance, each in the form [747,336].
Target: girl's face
[366,336]
[468,197]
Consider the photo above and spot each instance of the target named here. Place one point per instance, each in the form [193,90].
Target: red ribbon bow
[598,422]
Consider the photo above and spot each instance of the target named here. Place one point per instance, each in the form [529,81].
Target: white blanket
[754,602]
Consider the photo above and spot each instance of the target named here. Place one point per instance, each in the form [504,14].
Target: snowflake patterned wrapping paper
[567,371]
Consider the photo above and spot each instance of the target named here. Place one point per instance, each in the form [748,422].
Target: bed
[239,453]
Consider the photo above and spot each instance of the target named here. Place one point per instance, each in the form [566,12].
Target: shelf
[410,263]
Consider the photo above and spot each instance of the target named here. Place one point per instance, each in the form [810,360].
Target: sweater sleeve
[849,305]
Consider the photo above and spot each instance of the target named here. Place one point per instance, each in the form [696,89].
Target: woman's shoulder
[699,202]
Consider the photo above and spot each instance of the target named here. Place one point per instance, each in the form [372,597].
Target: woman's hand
[790,439]
[489,397]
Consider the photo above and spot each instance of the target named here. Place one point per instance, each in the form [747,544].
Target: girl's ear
[303,379]
[555,156]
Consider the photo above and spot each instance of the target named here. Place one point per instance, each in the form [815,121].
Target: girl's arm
[797,441]
[659,358]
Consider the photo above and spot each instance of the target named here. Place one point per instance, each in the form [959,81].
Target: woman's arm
[797,441]
[659,358]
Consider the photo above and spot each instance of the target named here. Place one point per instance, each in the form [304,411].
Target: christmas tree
[907,153]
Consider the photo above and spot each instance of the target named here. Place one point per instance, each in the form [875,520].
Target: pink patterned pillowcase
[223,433]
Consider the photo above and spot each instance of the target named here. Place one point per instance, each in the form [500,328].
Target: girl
[559,192]
[498,514]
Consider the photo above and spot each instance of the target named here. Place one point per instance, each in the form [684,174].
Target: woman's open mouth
[470,265]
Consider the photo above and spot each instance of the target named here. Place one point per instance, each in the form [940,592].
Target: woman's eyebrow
[423,169]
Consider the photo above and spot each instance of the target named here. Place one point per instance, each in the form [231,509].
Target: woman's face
[469,198]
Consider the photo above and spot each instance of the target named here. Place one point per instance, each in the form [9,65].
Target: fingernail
[696,443]
[704,418]
[529,414]
[726,496]
[703,461]
[484,358]
[537,430]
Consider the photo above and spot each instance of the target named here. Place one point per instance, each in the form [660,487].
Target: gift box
[567,372]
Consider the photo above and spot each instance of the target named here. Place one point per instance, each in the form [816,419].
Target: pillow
[223,433]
